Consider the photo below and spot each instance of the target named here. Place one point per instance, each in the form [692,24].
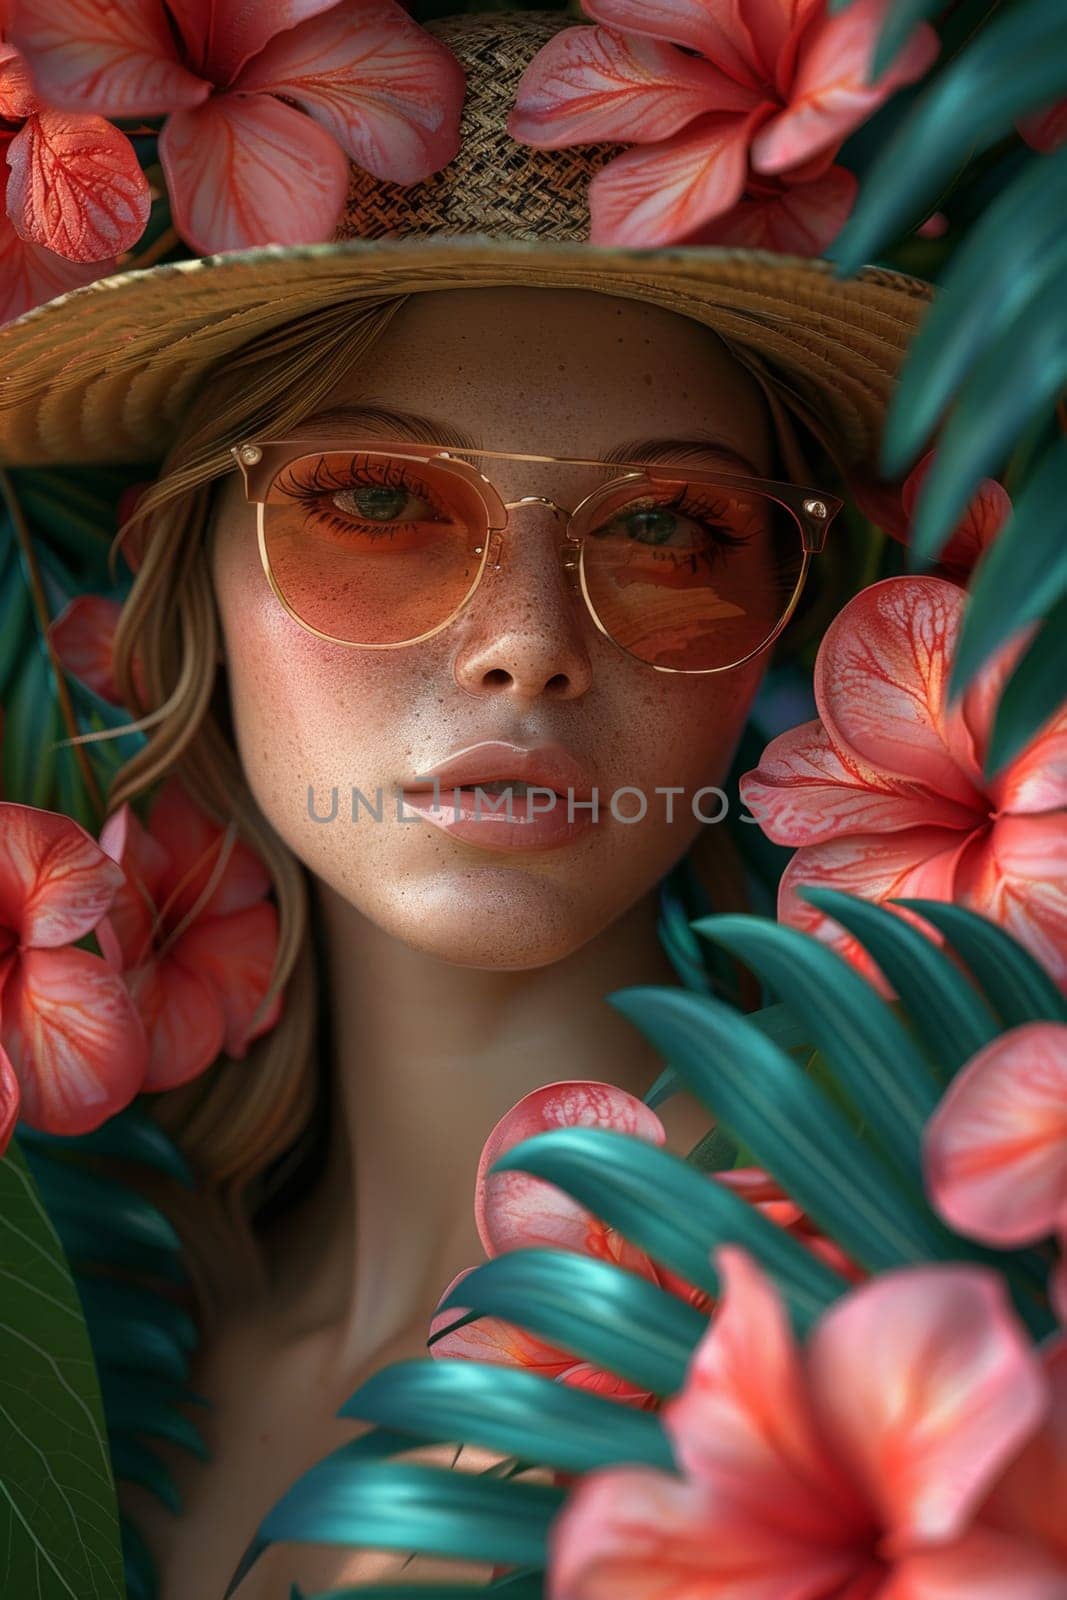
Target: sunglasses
[381,545]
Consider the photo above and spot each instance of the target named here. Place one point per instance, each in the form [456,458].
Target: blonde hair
[237,1120]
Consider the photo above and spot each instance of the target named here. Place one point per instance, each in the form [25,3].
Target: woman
[431,980]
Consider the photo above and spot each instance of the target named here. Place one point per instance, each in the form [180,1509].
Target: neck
[427,1056]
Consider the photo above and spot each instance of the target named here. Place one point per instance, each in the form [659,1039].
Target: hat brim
[104,373]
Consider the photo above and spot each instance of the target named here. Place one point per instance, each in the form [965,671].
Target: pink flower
[72,194]
[891,1459]
[265,103]
[995,1150]
[892,508]
[735,113]
[1046,130]
[883,793]
[83,635]
[514,1210]
[192,933]
[69,1032]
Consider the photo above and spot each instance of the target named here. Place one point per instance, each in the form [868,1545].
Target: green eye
[653,526]
[378,502]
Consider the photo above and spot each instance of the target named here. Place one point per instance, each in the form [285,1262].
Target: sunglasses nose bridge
[570,546]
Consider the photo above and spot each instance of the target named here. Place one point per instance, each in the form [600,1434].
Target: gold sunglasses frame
[260,461]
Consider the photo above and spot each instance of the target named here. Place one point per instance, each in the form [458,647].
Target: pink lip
[534,823]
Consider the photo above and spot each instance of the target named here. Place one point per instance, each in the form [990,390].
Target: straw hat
[103,373]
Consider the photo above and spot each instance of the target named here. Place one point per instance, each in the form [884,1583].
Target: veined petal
[55,881]
[981,522]
[1029,1498]
[805,790]
[17,97]
[246,170]
[235,954]
[387,91]
[778,29]
[927,1385]
[9,1100]
[799,219]
[588,85]
[881,685]
[83,636]
[656,194]
[830,95]
[742,1425]
[513,1209]
[128,933]
[74,1039]
[1016,873]
[995,1150]
[220,35]
[183,1019]
[194,845]
[718,30]
[30,275]
[1036,781]
[118,60]
[76,186]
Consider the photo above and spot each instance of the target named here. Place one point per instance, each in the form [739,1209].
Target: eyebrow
[422,429]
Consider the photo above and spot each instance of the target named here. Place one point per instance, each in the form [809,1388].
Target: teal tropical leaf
[1016,986]
[1034,691]
[59,1524]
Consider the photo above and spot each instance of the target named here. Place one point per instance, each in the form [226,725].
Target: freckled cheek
[690,729]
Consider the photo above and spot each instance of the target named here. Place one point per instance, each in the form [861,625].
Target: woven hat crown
[494,185]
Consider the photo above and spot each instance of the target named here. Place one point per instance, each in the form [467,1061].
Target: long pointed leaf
[1018,988]
[1033,692]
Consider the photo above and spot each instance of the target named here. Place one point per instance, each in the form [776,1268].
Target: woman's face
[541,371]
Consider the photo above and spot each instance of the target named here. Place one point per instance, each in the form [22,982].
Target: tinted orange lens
[370,547]
[690,575]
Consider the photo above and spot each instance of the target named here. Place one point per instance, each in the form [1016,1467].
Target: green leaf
[668,1209]
[1032,694]
[141,1580]
[132,1135]
[901,20]
[16,617]
[142,1405]
[32,724]
[1023,573]
[794,1131]
[875,1062]
[59,1524]
[71,1193]
[1017,986]
[778,1022]
[394,1505]
[948,1014]
[134,1462]
[511,1410]
[526,1586]
[1016,64]
[612,1318]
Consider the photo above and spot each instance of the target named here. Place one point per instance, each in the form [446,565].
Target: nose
[524,628]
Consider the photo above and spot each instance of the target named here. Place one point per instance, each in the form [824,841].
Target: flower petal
[799,219]
[76,186]
[55,880]
[387,91]
[830,95]
[247,170]
[981,522]
[118,60]
[513,1209]
[492,1339]
[129,931]
[995,1150]
[220,35]
[183,1019]
[805,790]
[17,97]
[235,954]
[718,32]
[1016,873]
[1045,130]
[74,1039]
[592,84]
[9,1099]
[194,845]
[655,194]
[1029,1498]
[983,1565]
[881,685]
[30,275]
[83,637]
[927,1386]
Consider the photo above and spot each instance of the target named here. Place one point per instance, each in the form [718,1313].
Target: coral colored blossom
[72,193]
[883,794]
[734,114]
[892,509]
[265,103]
[514,1210]
[69,1032]
[914,1449]
[995,1150]
[192,933]
[83,636]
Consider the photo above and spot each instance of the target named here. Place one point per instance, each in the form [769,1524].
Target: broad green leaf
[59,1524]
[511,1410]
[1016,986]
[1022,575]
[875,1062]
[670,1210]
[600,1313]
[948,1014]
[1032,694]
[794,1131]
[1016,64]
